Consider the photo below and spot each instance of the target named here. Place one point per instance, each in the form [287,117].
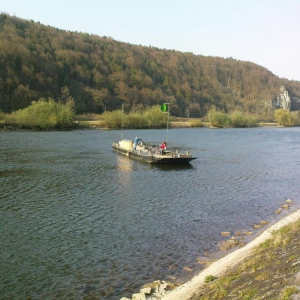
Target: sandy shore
[218,268]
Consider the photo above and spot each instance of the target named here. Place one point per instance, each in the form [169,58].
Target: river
[79,221]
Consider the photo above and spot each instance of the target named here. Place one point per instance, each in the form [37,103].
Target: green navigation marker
[164,107]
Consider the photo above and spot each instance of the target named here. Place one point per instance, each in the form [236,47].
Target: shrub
[218,119]
[150,118]
[43,114]
[136,120]
[238,119]
[196,123]
[296,117]
[155,117]
[113,119]
[283,117]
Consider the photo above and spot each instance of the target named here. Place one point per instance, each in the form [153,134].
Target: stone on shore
[203,260]
[146,290]
[225,233]
[264,222]
[232,242]
[242,232]
[257,226]
[248,232]
[139,296]
[289,201]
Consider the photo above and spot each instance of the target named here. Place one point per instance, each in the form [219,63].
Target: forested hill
[100,74]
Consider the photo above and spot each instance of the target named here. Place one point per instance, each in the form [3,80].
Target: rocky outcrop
[283,100]
[152,291]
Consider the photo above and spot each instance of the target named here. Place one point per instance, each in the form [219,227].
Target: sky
[265,32]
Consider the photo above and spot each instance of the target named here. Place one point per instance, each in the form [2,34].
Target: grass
[288,292]
[209,278]
[268,273]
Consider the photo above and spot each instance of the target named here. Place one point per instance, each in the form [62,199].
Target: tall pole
[163,108]
[122,121]
[168,122]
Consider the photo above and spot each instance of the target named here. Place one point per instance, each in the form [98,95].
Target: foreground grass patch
[288,292]
[268,273]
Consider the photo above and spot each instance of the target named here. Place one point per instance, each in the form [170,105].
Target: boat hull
[145,155]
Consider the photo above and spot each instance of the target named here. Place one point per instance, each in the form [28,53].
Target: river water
[79,221]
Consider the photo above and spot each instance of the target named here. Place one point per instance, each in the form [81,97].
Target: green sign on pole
[164,107]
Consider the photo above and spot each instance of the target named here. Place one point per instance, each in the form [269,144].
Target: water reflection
[124,164]
[125,167]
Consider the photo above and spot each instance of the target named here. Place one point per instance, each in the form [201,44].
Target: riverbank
[268,268]
[98,124]
[173,124]
[278,270]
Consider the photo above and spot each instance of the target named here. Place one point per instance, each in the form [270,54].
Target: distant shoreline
[99,125]
[178,124]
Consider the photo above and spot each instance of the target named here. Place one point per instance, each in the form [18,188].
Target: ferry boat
[149,153]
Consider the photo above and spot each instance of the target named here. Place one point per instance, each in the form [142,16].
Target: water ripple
[79,221]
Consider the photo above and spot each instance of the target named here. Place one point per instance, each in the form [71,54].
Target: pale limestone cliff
[283,100]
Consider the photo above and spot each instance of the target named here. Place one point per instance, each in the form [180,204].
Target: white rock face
[283,100]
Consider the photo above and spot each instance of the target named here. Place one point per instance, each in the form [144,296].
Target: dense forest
[100,74]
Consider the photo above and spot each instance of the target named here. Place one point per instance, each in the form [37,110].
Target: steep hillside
[100,74]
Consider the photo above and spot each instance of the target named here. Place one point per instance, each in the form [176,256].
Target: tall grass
[43,115]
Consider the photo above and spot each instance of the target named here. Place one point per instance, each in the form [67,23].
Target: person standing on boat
[136,141]
[163,146]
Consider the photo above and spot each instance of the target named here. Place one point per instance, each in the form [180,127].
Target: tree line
[101,74]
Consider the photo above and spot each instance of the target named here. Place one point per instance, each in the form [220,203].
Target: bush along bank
[44,114]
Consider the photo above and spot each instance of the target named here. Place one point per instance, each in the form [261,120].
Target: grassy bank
[46,114]
[272,271]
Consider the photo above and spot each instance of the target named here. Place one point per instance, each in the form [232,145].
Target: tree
[283,117]
[44,114]
[218,119]
[38,61]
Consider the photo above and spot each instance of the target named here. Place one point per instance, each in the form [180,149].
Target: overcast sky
[266,32]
